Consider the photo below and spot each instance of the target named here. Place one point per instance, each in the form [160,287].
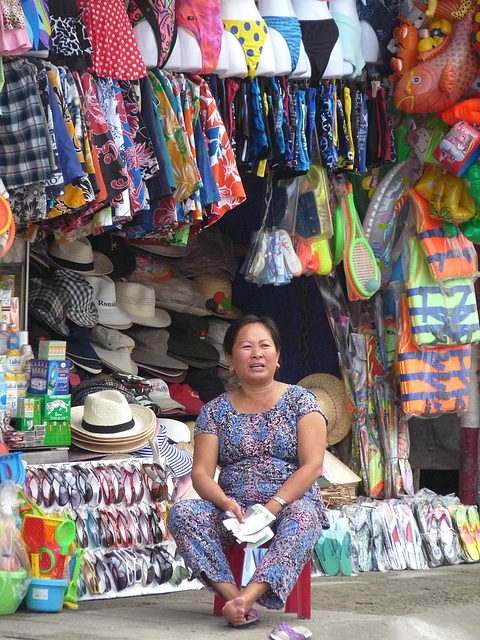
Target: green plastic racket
[361,269]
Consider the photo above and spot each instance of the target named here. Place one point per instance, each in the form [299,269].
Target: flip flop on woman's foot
[234,612]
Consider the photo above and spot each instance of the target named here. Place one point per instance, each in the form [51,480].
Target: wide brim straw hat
[107,418]
[332,398]
[113,447]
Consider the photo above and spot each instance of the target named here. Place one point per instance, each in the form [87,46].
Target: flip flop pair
[284,632]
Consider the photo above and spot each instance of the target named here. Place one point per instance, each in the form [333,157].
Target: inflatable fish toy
[438,83]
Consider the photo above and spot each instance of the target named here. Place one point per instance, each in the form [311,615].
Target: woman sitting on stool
[268,438]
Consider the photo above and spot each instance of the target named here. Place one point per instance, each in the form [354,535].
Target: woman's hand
[232,508]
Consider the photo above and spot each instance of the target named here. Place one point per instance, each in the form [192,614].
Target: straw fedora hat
[106,422]
[79,256]
[332,397]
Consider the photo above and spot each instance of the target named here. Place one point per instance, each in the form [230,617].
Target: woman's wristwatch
[280,501]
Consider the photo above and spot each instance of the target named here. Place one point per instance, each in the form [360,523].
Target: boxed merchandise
[50,377]
[54,407]
[29,409]
[24,424]
[57,432]
[52,349]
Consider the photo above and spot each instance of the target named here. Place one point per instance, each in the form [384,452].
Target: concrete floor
[435,604]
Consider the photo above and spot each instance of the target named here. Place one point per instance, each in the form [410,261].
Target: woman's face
[254,356]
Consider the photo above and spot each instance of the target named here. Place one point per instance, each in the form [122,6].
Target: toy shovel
[64,535]
[70,597]
[34,535]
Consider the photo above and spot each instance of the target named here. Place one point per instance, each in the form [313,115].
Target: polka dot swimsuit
[251,35]
[115,50]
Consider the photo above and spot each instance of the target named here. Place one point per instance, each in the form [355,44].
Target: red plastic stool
[300,599]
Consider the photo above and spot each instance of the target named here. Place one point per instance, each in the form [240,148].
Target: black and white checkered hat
[81,307]
[48,305]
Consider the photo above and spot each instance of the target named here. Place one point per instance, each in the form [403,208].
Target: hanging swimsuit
[203,19]
[350,37]
[251,35]
[289,28]
[319,38]
[160,15]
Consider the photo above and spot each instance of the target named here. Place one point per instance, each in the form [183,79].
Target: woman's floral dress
[257,453]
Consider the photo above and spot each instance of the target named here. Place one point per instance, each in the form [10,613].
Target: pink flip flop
[284,632]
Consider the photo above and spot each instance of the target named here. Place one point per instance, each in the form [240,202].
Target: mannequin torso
[346,10]
[186,55]
[310,10]
[370,46]
[241,12]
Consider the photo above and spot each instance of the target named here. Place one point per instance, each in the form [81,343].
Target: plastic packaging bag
[14,562]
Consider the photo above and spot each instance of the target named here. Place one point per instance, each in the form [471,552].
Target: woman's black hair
[234,328]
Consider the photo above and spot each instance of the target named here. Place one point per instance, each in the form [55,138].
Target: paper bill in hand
[255,530]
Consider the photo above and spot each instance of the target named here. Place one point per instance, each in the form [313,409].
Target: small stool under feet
[300,599]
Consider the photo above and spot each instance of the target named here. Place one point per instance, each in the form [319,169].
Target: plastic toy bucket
[12,590]
[46,595]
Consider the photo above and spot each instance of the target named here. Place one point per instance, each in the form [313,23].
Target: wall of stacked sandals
[165,170]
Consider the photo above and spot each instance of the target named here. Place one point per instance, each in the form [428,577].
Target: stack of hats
[122,308]
[106,423]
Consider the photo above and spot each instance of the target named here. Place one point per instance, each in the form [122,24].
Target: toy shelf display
[39,407]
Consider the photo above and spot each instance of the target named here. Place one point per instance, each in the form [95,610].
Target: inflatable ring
[381,217]
[5,214]
[7,238]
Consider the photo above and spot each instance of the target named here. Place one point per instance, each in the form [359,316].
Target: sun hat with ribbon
[110,313]
[139,300]
[79,256]
[332,398]
[107,420]
[217,291]
[180,461]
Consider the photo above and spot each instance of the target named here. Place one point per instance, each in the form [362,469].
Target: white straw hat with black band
[106,418]
[79,256]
